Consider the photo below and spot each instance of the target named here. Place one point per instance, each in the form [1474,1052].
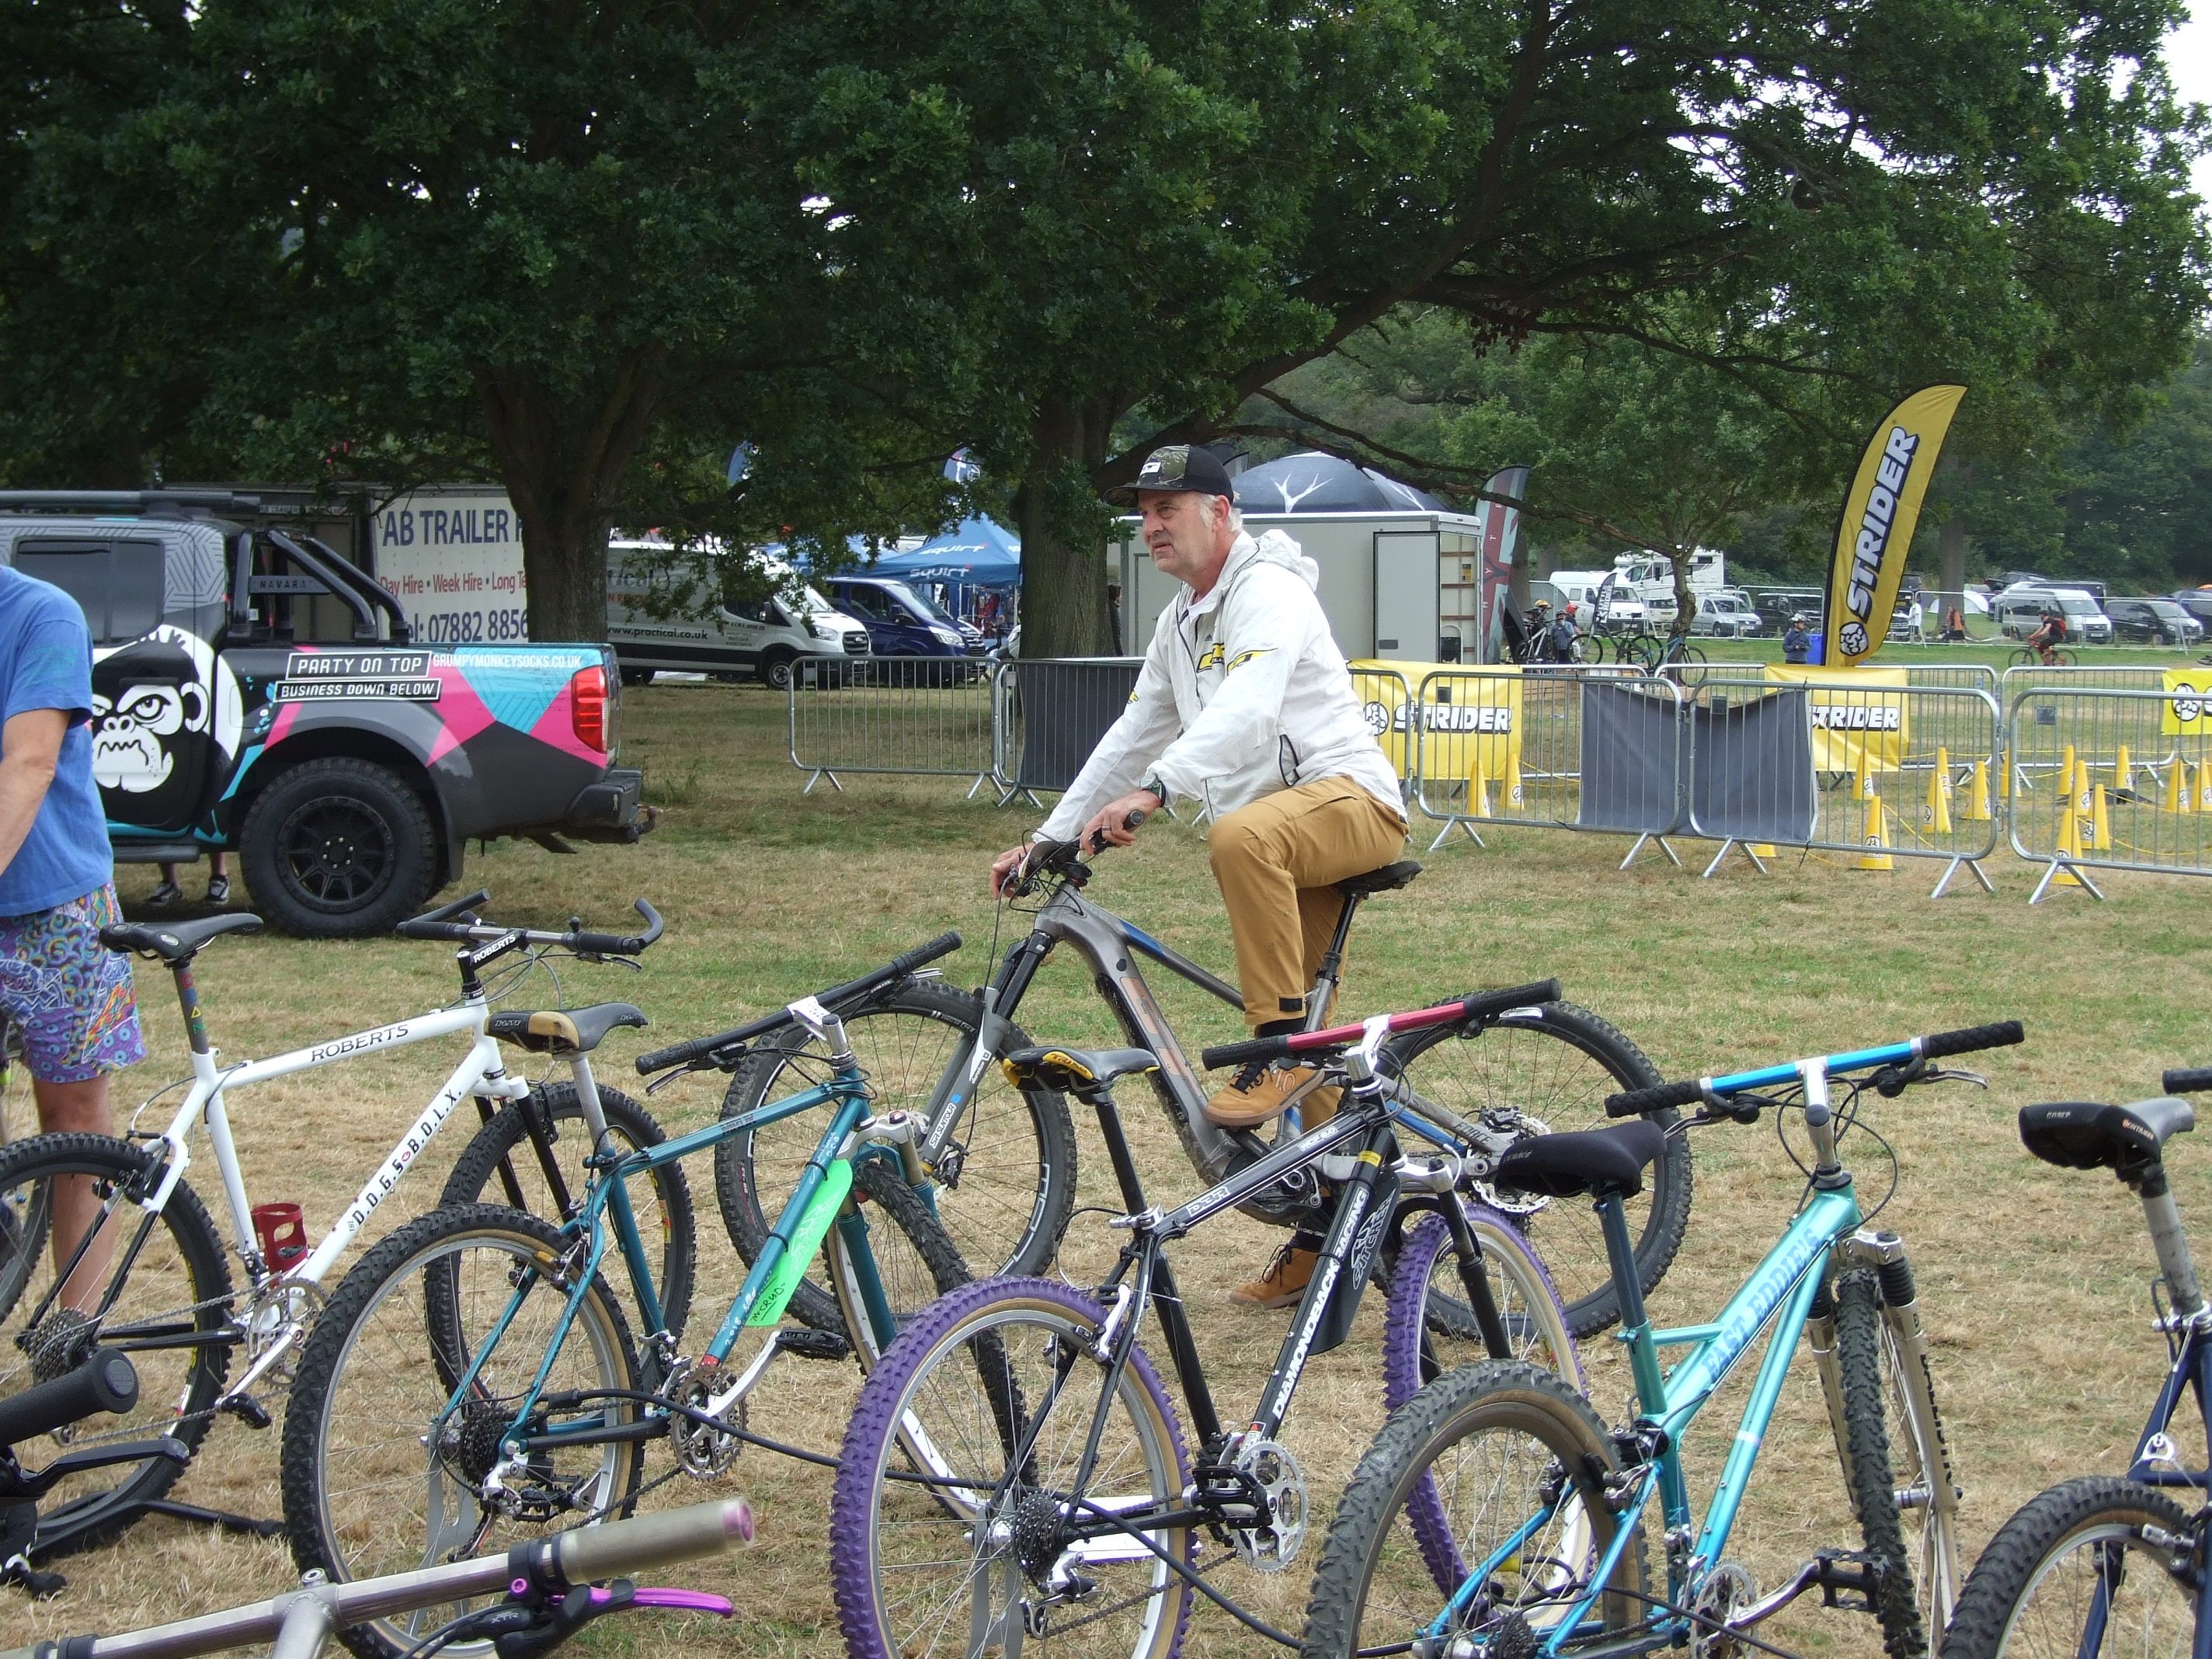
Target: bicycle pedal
[1848,1572]
[248,1410]
[813,1345]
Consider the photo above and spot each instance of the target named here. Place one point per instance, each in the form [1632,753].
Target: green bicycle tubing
[806,1239]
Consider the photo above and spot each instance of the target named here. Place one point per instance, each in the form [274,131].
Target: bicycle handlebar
[578,1557]
[2187,1080]
[683,1054]
[1477,1005]
[439,924]
[105,1383]
[1635,1101]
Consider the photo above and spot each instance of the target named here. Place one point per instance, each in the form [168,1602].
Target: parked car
[2018,611]
[762,637]
[2195,602]
[2154,622]
[1726,616]
[346,763]
[903,622]
[1776,605]
[1624,611]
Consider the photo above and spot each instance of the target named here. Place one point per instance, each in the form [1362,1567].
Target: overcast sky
[2189,54]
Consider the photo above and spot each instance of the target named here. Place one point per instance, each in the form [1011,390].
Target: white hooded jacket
[1243,693]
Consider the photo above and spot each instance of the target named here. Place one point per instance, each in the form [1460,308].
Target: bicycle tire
[1642,650]
[174,1285]
[993,1336]
[1011,1188]
[1589,650]
[23,1223]
[477,1179]
[1375,1588]
[2025,1597]
[336,1429]
[1862,1358]
[1429,1326]
[927,1266]
[1502,1066]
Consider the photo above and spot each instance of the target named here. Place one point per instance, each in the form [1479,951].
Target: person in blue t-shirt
[67,993]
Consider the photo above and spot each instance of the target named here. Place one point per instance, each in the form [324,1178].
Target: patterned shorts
[69,994]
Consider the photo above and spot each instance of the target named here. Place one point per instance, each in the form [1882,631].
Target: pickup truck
[252,689]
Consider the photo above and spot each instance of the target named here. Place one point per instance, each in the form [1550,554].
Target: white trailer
[1405,585]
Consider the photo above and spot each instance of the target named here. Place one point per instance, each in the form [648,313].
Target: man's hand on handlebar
[1116,823]
[1003,867]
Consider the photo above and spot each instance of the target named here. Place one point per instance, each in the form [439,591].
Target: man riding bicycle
[2050,634]
[1244,702]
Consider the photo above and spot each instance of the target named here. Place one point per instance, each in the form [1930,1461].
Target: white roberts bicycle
[153,1278]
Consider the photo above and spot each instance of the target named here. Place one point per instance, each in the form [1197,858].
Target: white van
[2018,611]
[1624,611]
[763,638]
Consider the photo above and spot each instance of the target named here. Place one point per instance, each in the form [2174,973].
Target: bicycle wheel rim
[962,1560]
[395,1478]
[1430,1327]
[2147,1614]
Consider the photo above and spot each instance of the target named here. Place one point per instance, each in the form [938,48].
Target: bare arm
[30,746]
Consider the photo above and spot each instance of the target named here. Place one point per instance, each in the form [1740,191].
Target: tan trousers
[1276,861]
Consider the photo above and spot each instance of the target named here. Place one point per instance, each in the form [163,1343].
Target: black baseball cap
[1189,468]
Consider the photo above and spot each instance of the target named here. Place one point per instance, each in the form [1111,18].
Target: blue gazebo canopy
[976,553]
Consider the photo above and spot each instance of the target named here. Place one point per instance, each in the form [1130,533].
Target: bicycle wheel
[1518,1460]
[1589,649]
[1005,1188]
[660,1199]
[886,1271]
[2072,1577]
[2022,660]
[22,1223]
[989,1368]
[165,1287]
[1888,1476]
[461,1292]
[1430,1328]
[2065,658]
[1640,649]
[1550,1068]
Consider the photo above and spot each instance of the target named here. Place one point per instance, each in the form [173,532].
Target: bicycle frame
[1778,1294]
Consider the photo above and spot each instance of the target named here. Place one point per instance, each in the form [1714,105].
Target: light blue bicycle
[473,1384]
[1496,1517]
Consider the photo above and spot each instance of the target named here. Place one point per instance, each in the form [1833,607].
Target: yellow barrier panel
[1851,725]
[1471,723]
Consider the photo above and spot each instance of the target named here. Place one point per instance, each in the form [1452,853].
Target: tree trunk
[1951,544]
[1685,603]
[561,457]
[1064,607]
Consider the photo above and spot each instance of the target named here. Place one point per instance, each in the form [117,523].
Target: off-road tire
[309,834]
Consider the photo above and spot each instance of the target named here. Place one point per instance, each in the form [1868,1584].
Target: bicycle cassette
[1269,1466]
[702,1451]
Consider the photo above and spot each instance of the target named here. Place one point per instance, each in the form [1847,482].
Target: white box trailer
[1406,585]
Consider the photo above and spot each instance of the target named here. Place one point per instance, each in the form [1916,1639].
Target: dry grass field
[2033,1282]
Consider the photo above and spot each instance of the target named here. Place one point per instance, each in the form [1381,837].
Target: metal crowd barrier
[927,715]
[2111,778]
[1049,714]
[1883,771]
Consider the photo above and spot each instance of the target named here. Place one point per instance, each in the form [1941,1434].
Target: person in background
[1954,626]
[218,887]
[69,995]
[1797,641]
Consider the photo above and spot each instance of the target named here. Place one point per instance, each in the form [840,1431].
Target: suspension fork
[956,1089]
[1475,1281]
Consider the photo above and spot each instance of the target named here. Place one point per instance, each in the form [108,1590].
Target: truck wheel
[339,848]
[637,676]
[775,670]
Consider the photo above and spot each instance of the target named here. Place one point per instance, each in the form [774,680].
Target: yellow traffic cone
[2069,846]
[1943,768]
[2177,786]
[1876,857]
[1937,814]
[1862,777]
[2004,777]
[1977,797]
[2204,786]
[2123,774]
[1478,787]
[2066,775]
[1514,795]
[2100,825]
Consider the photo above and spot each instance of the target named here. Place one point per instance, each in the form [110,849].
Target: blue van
[903,621]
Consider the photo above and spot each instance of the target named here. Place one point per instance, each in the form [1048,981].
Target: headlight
[945,635]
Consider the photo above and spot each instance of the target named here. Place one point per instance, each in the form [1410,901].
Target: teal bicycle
[1496,1517]
[473,1384]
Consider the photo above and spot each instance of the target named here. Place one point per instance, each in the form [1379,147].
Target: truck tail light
[587,706]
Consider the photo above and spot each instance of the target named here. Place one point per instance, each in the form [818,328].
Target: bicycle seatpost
[2169,1240]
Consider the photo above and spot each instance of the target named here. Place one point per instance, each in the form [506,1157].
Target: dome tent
[1311,482]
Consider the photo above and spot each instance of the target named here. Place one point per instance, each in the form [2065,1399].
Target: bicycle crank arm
[1832,1572]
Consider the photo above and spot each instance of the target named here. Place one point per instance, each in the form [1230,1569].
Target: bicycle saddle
[563,1030]
[1601,1162]
[176,941]
[1388,880]
[1074,1071]
[2083,1135]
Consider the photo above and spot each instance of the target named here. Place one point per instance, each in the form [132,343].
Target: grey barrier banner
[1750,770]
[1635,759]
[2109,778]
[1899,771]
[1053,711]
[923,715]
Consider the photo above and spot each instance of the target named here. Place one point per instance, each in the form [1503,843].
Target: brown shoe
[1284,1282]
[1259,1095]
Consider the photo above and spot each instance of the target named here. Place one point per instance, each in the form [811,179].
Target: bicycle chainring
[1269,1465]
[278,1311]
[1725,1591]
[702,1452]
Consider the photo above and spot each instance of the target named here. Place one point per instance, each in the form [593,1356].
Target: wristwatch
[1157,787]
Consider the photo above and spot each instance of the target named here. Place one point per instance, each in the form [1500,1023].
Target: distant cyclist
[2050,634]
